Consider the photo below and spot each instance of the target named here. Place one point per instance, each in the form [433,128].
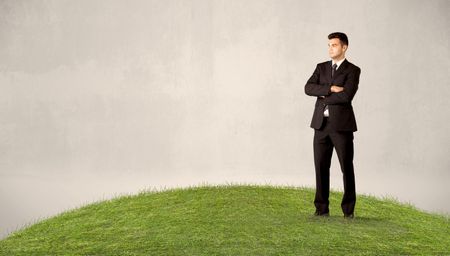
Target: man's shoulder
[353,66]
[324,63]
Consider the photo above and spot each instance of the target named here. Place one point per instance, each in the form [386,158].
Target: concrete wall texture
[101,98]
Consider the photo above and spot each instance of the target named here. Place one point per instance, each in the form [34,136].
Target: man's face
[336,49]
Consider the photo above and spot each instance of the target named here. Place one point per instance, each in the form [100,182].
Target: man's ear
[345,47]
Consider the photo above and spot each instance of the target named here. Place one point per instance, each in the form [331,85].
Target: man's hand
[336,88]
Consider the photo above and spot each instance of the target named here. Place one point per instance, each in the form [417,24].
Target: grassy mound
[233,220]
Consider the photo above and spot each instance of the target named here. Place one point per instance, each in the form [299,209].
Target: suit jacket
[341,115]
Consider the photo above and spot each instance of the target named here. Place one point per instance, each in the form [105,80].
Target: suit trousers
[325,140]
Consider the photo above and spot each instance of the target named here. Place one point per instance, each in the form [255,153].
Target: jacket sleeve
[313,88]
[350,88]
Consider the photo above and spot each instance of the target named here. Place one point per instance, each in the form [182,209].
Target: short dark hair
[341,36]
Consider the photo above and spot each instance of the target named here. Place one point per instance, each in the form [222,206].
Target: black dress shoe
[349,216]
[318,213]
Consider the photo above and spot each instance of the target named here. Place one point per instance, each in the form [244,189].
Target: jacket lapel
[328,71]
[341,68]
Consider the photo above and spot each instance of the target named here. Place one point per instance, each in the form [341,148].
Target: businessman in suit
[334,83]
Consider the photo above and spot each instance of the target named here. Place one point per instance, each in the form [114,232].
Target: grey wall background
[101,98]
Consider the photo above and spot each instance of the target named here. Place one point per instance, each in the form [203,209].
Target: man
[334,83]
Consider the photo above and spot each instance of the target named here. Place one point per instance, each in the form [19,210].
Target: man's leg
[323,149]
[343,142]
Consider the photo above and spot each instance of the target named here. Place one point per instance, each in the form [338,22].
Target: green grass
[233,220]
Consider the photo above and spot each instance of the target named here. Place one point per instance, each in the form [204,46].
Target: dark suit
[335,131]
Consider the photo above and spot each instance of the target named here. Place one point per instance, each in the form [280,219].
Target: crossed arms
[333,94]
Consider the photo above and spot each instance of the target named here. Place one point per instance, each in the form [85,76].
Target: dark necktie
[334,69]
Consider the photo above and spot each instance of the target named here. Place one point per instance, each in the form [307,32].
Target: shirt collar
[338,63]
